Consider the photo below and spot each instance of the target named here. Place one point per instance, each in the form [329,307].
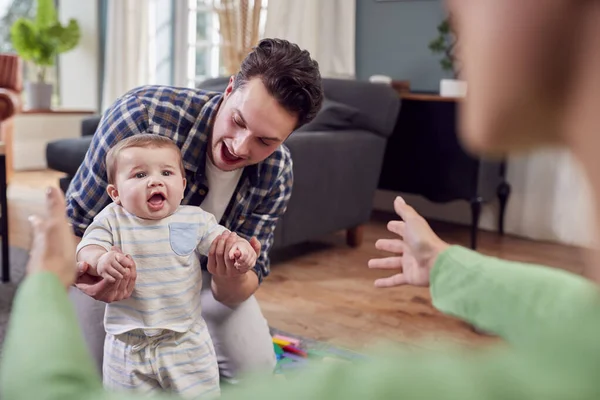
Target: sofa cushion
[66,155]
[333,116]
[379,104]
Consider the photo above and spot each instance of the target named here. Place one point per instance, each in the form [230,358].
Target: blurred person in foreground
[533,70]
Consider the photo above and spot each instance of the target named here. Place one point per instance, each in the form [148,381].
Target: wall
[392,38]
[79,68]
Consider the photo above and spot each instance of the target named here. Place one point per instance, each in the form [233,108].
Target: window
[203,53]
[10,11]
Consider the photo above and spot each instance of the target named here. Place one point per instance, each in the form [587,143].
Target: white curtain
[326,28]
[128,52]
[551,199]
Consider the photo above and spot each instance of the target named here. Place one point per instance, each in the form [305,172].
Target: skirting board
[458,212]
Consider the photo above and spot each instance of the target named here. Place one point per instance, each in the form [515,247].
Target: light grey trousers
[240,335]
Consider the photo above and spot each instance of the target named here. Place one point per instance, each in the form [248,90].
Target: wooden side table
[34,129]
[4,215]
[424,156]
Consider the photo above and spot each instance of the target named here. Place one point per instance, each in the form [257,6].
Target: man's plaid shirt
[186,116]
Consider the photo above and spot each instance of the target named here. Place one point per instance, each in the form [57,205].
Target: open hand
[53,247]
[415,250]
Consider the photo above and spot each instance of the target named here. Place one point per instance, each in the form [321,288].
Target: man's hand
[415,251]
[222,255]
[103,290]
[230,285]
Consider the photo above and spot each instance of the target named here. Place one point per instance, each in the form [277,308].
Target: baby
[156,339]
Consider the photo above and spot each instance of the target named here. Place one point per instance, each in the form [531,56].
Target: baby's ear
[113,193]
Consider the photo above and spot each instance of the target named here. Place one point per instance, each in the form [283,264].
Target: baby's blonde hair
[146,140]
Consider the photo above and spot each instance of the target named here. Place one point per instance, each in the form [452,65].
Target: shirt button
[202,192]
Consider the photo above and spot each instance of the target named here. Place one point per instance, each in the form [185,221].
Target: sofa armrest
[89,125]
[10,103]
[333,170]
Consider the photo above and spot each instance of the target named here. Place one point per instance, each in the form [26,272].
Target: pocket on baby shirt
[183,238]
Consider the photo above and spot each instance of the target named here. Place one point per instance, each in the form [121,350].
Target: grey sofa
[337,159]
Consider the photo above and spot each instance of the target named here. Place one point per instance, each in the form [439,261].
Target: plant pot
[38,95]
[453,88]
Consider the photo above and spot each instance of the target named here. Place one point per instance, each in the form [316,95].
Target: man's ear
[113,193]
[229,87]
[184,185]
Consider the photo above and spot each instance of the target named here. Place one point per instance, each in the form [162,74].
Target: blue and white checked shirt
[186,116]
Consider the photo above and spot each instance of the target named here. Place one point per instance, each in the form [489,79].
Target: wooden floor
[323,290]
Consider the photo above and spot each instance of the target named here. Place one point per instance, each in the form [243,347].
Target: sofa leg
[354,236]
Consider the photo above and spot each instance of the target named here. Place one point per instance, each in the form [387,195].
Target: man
[237,168]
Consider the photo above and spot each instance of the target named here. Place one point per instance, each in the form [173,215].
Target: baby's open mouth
[156,201]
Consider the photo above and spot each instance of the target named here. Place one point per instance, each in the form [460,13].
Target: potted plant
[40,41]
[445,43]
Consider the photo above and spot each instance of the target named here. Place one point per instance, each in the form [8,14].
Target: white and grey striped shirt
[167,257]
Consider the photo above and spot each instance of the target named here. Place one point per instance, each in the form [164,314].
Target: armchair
[11,85]
[10,104]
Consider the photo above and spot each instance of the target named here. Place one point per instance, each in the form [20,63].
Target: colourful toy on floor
[292,353]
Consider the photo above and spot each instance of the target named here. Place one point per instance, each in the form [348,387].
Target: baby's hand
[243,255]
[109,266]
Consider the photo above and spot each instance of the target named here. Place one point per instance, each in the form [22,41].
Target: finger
[125,262]
[395,280]
[114,273]
[255,245]
[211,263]
[230,243]
[234,253]
[391,245]
[35,221]
[55,203]
[82,268]
[221,267]
[386,263]
[130,284]
[404,210]
[117,269]
[120,289]
[397,227]
[109,278]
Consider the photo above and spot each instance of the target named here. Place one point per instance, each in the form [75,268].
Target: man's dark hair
[290,75]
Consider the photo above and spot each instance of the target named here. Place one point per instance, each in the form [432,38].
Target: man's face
[249,126]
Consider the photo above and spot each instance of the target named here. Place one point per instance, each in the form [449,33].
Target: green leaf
[42,39]
[46,13]
[23,36]
[446,64]
[66,37]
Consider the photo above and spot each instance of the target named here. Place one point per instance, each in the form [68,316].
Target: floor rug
[18,259]
[311,351]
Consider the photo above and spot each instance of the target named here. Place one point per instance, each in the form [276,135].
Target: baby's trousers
[183,363]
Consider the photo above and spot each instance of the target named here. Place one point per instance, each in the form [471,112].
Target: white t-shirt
[221,185]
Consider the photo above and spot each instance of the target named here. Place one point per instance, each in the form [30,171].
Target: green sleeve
[559,311]
[511,299]
[44,355]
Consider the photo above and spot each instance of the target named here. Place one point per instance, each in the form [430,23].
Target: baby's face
[148,182]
